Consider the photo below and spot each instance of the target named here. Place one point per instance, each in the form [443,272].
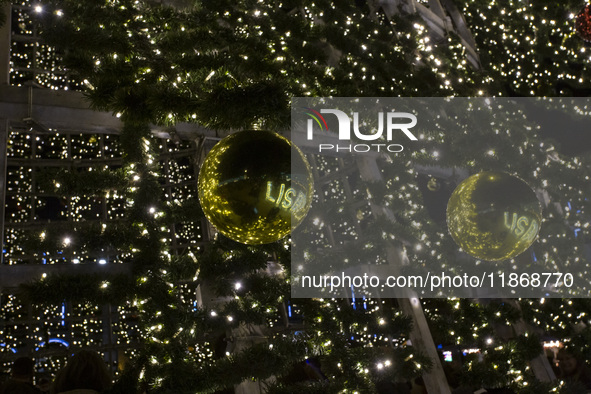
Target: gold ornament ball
[255,187]
[433,184]
[493,216]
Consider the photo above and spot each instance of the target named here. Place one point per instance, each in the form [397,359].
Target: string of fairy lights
[30,204]
[524,47]
[74,324]
[31,59]
[544,33]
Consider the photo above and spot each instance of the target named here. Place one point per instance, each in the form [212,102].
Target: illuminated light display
[47,222]
[524,31]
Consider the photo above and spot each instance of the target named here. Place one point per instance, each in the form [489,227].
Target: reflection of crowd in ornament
[85,373]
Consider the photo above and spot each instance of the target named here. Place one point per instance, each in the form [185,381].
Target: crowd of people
[84,373]
[87,373]
[567,367]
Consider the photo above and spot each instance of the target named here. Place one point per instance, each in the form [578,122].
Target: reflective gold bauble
[433,184]
[493,216]
[255,187]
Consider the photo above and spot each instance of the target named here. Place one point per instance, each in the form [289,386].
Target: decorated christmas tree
[106,201]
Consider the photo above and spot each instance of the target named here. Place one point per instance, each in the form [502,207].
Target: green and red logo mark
[317,117]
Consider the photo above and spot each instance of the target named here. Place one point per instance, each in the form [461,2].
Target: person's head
[23,369]
[44,384]
[568,363]
[85,370]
